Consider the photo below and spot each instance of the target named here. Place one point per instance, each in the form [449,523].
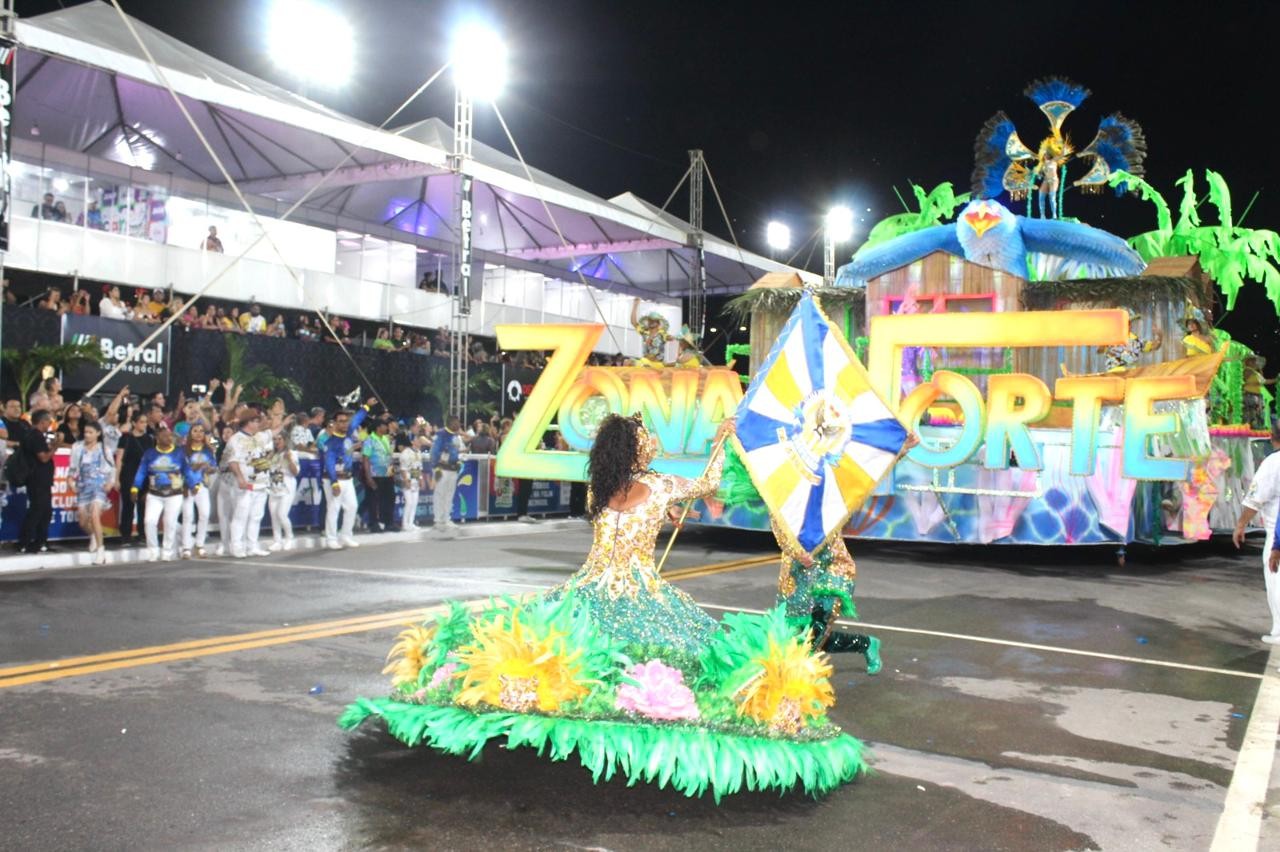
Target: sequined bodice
[621,558]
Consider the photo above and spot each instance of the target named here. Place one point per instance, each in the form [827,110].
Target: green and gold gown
[625,671]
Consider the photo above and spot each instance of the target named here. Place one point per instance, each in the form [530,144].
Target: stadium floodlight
[839,225]
[479,60]
[778,236]
[312,42]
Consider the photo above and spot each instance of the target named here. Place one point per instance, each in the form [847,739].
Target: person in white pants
[1263,500]
[284,485]
[224,495]
[410,481]
[249,460]
[340,491]
[164,470]
[195,507]
[446,460]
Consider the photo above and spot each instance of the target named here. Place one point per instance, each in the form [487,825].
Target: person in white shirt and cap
[1263,501]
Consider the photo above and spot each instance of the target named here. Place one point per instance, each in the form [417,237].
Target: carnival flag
[812,433]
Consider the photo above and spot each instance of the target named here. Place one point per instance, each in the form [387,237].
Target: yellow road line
[191,649]
[200,643]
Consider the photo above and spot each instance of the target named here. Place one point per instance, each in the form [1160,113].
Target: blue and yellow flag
[812,433]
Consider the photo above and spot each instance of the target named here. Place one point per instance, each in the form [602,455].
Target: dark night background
[802,106]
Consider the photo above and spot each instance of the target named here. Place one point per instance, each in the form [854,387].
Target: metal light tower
[479,70]
[459,336]
[697,269]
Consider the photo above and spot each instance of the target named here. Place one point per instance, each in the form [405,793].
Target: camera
[199,389]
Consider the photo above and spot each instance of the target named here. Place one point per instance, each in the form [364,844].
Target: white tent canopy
[84,85]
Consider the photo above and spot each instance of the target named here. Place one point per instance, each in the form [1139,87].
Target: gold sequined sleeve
[679,488]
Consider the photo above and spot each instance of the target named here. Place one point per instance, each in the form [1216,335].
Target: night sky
[802,106]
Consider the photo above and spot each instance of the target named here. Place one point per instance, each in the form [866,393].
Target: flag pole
[719,447]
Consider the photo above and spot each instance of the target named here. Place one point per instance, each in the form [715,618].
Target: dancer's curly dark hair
[614,460]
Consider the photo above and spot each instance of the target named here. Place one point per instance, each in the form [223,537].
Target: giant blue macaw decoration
[987,234]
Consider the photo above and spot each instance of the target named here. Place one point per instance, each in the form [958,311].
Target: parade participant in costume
[446,461]
[690,357]
[1125,355]
[627,506]
[340,490]
[410,480]
[1200,338]
[247,461]
[621,667]
[652,328]
[92,474]
[195,508]
[284,485]
[1263,501]
[225,487]
[164,471]
[1255,397]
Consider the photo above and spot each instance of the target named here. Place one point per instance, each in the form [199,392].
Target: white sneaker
[258,551]
[101,557]
[1272,638]
[153,556]
[93,545]
[220,550]
[290,543]
[275,546]
[240,555]
[186,554]
[333,545]
[527,519]
[350,542]
[202,553]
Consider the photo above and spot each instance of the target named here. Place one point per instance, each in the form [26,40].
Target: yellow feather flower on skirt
[408,655]
[792,686]
[508,665]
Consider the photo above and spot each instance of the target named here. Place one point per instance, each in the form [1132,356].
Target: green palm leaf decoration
[27,364]
[255,378]
[936,206]
[1230,254]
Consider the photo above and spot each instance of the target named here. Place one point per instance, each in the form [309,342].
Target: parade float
[1068,385]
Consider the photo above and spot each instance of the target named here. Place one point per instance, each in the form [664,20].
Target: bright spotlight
[479,62]
[61,184]
[778,236]
[840,224]
[312,42]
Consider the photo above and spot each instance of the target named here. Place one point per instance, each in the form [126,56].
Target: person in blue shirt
[165,471]
[381,499]
[195,507]
[446,461]
[340,492]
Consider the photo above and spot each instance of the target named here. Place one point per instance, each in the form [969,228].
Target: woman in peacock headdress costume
[621,668]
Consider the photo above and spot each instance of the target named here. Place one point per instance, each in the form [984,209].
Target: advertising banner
[145,373]
[7,58]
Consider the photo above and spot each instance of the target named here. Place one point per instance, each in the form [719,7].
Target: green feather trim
[691,759]
[736,487]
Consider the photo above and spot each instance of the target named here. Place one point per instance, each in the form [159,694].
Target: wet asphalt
[1014,743]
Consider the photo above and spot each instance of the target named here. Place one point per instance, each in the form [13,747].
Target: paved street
[1031,699]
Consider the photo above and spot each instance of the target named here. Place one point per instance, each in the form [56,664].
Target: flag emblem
[813,434]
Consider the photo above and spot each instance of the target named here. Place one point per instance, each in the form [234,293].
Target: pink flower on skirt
[660,693]
[440,675]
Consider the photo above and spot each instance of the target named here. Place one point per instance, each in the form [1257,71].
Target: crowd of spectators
[113,439]
[155,306]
